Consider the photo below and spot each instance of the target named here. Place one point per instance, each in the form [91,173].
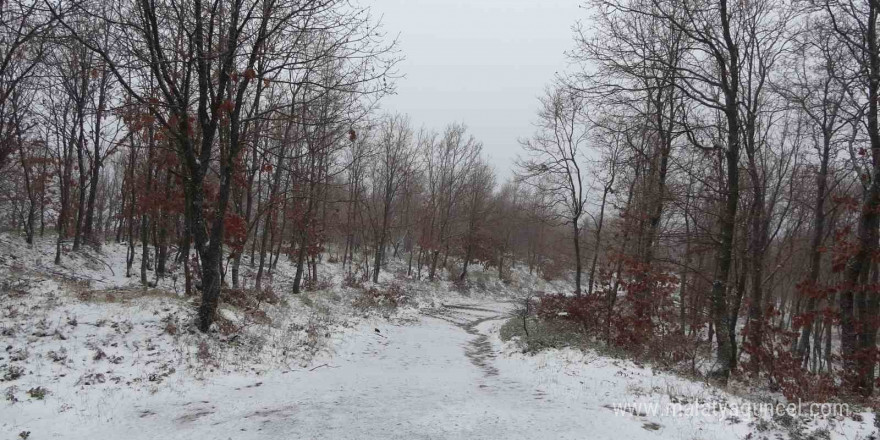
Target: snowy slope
[117,361]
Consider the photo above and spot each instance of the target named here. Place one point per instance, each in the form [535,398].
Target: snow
[121,362]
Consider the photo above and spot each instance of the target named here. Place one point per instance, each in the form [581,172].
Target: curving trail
[440,378]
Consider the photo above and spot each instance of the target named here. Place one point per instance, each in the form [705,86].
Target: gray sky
[481,62]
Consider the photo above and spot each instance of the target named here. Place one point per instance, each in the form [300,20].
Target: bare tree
[395,156]
[179,60]
[447,163]
[477,211]
[25,31]
[554,162]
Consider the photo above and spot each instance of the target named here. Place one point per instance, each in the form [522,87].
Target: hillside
[90,354]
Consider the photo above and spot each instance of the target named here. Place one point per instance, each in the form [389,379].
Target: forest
[700,191]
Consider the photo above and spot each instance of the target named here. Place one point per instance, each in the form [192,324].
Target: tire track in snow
[479,350]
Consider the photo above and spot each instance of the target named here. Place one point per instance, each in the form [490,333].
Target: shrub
[775,361]
[14,288]
[554,268]
[249,298]
[306,300]
[310,285]
[355,279]
[391,298]
[171,328]
[267,295]
[635,315]
[249,301]
[584,311]
[13,372]
[10,394]
[58,356]
[534,335]
[203,353]
[38,393]
[461,286]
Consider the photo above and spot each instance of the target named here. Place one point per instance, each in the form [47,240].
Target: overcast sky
[481,62]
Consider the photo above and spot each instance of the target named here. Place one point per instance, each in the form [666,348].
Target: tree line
[721,161]
[707,175]
[212,138]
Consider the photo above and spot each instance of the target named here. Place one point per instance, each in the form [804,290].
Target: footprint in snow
[651,426]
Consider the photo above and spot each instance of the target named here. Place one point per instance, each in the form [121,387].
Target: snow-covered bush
[390,297]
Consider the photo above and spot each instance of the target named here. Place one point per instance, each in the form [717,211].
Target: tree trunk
[815,247]
[854,336]
[89,229]
[598,233]
[577,257]
[724,258]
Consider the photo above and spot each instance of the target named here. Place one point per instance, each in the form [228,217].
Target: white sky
[481,62]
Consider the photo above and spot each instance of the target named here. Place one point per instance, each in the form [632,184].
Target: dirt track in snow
[438,378]
[435,379]
[479,350]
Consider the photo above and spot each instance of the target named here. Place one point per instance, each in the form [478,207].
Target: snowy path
[111,369]
[431,380]
[437,379]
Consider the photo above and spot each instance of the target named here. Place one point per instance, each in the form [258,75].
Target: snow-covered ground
[120,362]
